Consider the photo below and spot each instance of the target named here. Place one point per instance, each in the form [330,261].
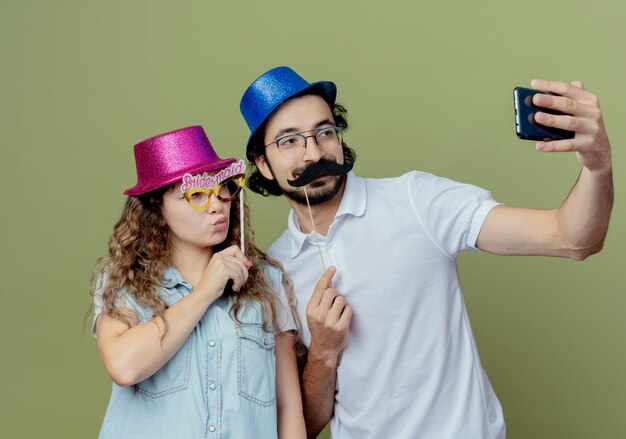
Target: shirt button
[212,386]
[212,343]
[211,428]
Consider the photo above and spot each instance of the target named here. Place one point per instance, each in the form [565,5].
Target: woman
[196,334]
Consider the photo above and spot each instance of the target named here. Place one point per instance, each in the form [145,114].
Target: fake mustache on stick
[323,167]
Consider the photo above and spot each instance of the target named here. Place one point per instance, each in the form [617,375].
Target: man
[390,350]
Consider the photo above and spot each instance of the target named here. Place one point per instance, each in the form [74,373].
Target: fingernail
[535,83]
[539,99]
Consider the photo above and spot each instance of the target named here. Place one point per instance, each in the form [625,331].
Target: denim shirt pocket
[172,377]
[256,373]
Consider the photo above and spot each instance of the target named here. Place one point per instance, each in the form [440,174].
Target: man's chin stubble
[315,196]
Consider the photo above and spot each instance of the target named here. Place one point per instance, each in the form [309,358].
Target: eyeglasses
[293,145]
[225,190]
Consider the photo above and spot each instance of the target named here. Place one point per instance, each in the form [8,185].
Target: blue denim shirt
[220,383]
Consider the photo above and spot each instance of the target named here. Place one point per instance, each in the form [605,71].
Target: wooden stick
[319,248]
[242,238]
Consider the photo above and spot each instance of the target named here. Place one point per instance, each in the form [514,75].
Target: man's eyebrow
[284,131]
[323,122]
[292,130]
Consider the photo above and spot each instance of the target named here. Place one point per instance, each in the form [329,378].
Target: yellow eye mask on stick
[226,185]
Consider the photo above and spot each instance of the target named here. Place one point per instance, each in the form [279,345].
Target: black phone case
[525,125]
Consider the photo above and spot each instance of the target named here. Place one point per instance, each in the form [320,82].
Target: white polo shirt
[410,368]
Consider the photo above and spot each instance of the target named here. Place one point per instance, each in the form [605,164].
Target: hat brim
[326,89]
[151,185]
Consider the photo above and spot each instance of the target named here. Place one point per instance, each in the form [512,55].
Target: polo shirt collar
[352,203]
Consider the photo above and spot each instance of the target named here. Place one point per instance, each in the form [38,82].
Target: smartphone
[525,125]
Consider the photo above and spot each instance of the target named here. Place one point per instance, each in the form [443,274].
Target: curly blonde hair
[140,251]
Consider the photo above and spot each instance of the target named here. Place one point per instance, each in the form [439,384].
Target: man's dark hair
[261,185]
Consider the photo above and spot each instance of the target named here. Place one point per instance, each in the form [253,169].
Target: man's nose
[312,151]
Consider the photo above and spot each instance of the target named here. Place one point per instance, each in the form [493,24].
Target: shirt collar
[171,278]
[352,203]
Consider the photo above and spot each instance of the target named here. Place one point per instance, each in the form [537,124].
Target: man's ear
[264,167]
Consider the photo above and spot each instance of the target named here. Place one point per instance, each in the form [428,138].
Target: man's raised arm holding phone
[577,228]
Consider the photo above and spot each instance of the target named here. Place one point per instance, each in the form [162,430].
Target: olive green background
[427,85]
